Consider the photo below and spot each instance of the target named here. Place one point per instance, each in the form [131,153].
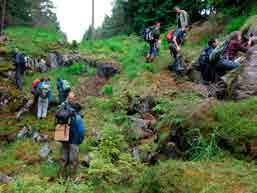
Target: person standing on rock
[182,18]
[44,97]
[20,66]
[64,88]
[70,149]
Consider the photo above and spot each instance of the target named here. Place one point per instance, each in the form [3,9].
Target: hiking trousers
[69,158]
[153,49]
[225,64]
[178,65]
[42,107]
[18,79]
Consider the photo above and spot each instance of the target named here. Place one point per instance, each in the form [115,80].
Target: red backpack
[34,86]
[170,35]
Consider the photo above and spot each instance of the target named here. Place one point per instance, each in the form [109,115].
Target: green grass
[34,41]
[128,51]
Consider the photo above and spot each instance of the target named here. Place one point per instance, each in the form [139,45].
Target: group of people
[175,39]
[219,58]
[214,61]
[41,90]
[67,115]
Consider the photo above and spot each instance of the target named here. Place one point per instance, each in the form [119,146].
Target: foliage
[31,12]
[34,41]
[202,148]
[107,90]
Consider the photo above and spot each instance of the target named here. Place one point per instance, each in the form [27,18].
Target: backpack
[148,34]
[64,114]
[34,85]
[218,52]
[20,58]
[170,36]
[44,90]
[66,85]
[204,58]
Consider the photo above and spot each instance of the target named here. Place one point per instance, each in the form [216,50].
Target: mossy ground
[213,169]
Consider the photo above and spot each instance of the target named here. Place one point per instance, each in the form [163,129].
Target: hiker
[63,87]
[235,45]
[34,91]
[224,56]
[70,149]
[20,66]
[175,40]
[44,97]
[152,36]
[182,18]
[206,68]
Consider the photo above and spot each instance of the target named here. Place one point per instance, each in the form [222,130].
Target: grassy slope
[220,173]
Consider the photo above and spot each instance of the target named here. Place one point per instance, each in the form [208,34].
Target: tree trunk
[3,16]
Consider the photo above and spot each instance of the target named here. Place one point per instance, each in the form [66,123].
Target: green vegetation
[219,141]
[34,41]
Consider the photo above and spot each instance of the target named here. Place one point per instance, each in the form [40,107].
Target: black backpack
[64,114]
[148,34]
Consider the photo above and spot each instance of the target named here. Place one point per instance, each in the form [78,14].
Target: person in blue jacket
[70,149]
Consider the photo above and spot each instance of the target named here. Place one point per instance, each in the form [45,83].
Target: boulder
[39,137]
[52,60]
[45,151]
[86,161]
[136,153]
[4,179]
[242,83]
[106,70]
[24,132]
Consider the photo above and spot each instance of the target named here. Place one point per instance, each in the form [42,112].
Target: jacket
[182,19]
[77,130]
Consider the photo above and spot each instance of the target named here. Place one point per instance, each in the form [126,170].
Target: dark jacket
[77,130]
[19,61]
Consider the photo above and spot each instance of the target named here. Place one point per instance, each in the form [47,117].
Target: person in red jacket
[235,45]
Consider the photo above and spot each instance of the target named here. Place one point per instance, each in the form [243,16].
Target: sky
[74,16]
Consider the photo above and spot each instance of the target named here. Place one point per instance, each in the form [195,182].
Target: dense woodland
[29,12]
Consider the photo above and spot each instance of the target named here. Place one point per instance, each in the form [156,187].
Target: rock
[135,153]
[86,161]
[96,134]
[141,105]
[24,109]
[52,60]
[39,137]
[24,132]
[45,151]
[106,70]
[243,82]
[140,123]
[4,179]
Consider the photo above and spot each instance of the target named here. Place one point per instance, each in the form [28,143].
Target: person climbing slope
[175,40]
[70,148]
[224,56]
[152,36]
[44,97]
[20,67]
[182,18]
[206,68]
[63,87]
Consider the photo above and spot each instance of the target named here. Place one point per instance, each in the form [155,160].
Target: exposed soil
[165,83]
[90,87]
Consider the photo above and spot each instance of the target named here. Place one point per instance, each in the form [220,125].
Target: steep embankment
[144,115]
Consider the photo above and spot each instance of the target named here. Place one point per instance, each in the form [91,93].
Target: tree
[3,16]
